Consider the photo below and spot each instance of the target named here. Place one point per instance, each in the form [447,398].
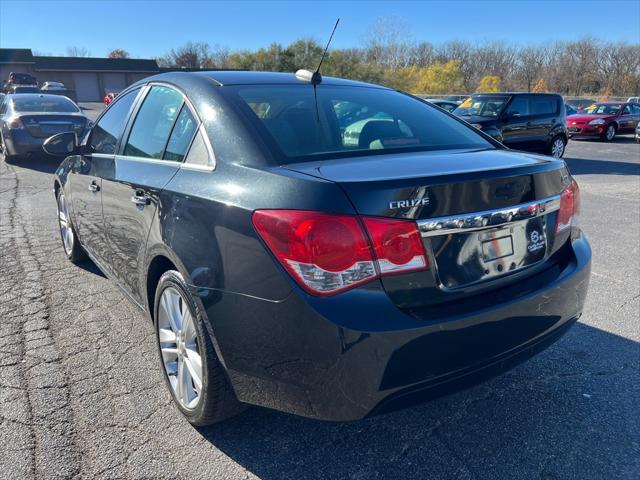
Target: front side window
[153,123]
[484,106]
[106,133]
[338,121]
[180,136]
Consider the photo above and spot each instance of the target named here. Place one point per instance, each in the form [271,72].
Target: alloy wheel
[66,230]
[557,149]
[180,348]
[611,132]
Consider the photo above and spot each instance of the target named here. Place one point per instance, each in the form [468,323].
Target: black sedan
[288,265]
[27,120]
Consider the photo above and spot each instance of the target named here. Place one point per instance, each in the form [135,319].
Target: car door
[156,141]
[627,121]
[88,169]
[545,110]
[515,118]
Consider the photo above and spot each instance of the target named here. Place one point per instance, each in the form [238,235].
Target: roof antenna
[315,77]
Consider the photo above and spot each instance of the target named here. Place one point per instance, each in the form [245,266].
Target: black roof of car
[243,77]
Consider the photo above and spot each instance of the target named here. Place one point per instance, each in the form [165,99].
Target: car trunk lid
[484,215]
[46,125]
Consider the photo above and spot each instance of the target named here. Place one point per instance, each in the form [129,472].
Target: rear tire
[610,133]
[557,146]
[3,149]
[192,371]
[70,244]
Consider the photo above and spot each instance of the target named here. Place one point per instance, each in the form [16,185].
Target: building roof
[16,55]
[96,64]
[87,64]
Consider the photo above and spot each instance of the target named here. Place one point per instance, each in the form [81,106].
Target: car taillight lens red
[569,207]
[15,123]
[397,245]
[328,253]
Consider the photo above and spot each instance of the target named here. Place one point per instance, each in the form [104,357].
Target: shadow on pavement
[91,267]
[570,412]
[40,163]
[617,140]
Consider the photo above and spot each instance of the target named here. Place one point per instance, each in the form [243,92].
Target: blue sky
[149,29]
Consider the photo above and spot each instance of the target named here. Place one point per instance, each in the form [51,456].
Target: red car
[108,98]
[604,120]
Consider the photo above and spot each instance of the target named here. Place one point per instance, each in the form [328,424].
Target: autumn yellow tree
[489,84]
[540,87]
[439,78]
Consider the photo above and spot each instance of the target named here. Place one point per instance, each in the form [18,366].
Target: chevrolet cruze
[319,246]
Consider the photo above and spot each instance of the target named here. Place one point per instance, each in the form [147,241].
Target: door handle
[93,187]
[140,199]
[528,124]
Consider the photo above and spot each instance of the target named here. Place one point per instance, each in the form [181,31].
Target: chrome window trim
[469,222]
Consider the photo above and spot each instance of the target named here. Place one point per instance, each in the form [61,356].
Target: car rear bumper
[355,354]
[19,142]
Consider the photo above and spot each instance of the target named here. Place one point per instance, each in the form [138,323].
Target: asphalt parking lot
[81,393]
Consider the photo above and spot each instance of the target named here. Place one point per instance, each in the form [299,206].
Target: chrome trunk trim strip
[468,222]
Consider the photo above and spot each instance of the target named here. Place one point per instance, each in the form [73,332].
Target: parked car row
[26,83]
[542,122]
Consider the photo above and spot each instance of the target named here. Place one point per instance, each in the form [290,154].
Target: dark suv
[522,121]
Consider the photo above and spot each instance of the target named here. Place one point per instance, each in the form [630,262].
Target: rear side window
[542,105]
[153,123]
[107,132]
[627,110]
[199,152]
[181,136]
[519,107]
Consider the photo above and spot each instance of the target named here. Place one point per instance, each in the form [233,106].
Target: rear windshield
[37,103]
[341,121]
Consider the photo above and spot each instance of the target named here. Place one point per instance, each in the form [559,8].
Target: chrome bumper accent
[468,222]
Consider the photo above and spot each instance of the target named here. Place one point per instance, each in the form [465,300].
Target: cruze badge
[414,202]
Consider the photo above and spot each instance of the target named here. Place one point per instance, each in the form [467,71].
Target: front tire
[557,146]
[610,133]
[72,248]
[193,373]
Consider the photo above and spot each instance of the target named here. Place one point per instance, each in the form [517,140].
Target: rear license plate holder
[462,259]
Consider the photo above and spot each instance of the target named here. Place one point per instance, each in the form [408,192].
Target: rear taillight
[327,253]
[569,207]
[15,123]
[397,245]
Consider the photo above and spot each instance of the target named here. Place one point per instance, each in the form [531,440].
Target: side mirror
[65,143]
